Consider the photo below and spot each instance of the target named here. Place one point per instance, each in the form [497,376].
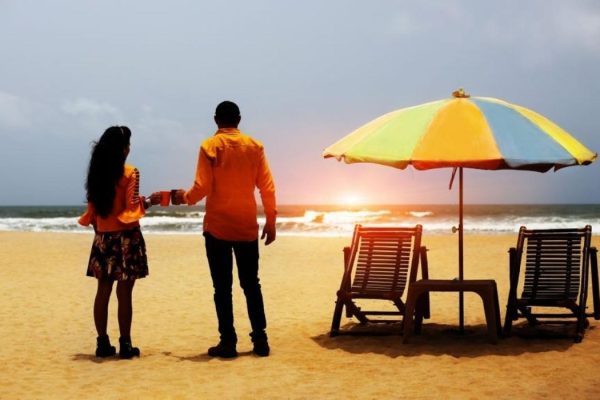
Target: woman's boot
[126,350]
[103,347]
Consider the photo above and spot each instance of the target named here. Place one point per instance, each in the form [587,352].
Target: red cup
[165,196]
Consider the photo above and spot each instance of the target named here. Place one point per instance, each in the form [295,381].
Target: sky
[304,73]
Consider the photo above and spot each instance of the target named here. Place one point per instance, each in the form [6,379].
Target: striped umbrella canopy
[463,131]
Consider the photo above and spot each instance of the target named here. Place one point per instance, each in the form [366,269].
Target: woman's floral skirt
[118,255]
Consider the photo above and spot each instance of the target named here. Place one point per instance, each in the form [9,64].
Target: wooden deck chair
[557,266]
[378,265]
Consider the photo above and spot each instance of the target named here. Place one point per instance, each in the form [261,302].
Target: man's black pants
[220,261]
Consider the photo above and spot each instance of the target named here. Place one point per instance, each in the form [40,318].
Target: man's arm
[202,182]
[266,186]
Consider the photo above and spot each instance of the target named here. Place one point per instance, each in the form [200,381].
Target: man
[230,166]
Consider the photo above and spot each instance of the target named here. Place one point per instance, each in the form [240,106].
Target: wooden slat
[377,267]
[383,259]
[375,279]
[552,261]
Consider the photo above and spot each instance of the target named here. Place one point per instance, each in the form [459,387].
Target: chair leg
[511,306]
[580,332]
[595,283]
[337,317]
[409,313]
[511,310]
[421,311]
[582,323]
[425,274]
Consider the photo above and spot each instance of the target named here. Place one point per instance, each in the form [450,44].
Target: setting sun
[351,199]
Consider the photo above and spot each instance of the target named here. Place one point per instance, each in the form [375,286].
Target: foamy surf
[328,220]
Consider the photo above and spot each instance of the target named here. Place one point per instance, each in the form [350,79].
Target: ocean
[312,220]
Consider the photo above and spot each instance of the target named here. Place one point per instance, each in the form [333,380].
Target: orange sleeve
[89,217]
[203,180]
[266,186]
[134,208]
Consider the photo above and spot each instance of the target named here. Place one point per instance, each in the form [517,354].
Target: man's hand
[177,197]
[155,198]
[269,232]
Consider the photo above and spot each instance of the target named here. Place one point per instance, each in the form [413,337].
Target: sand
[47,335]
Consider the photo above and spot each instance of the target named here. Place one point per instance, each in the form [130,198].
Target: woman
[118,251]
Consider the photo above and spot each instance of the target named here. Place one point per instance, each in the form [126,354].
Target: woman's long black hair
[106,168]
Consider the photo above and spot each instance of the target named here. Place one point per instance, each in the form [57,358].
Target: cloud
[419,18]
[579,25]
[88,108]
[546,31]
[14,111]
[91,115]
[153,130]
[535,33]
[404,23]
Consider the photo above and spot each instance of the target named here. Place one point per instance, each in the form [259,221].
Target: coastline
[48,337]
[328,220]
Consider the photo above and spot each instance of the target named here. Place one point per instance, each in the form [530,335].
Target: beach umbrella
[462,132]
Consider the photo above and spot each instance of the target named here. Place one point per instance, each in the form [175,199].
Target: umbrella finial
[460,94]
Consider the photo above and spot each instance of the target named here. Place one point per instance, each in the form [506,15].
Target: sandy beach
[47,335]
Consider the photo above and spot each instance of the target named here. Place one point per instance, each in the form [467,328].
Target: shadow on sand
[197,358]
[205,357]
[94,359]
[438,339]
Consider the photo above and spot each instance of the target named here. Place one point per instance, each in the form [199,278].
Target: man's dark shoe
[103,347]
[126,350]
[223,350]
[261,347]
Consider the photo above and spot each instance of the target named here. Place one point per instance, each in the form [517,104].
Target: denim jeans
[220,260]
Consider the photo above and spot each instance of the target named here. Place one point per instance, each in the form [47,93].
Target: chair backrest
[556,263]
[380,260]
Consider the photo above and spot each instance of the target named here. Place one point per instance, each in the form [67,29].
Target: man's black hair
[227,113]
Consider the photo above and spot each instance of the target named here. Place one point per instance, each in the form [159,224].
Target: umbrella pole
[461,310]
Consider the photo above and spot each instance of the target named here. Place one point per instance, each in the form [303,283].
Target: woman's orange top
[128,206]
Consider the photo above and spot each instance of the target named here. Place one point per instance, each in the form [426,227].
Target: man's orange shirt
[127,206]
[230,166]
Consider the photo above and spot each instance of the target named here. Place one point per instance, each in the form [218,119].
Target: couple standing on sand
[230,166]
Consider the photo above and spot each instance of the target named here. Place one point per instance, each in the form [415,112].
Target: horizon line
[340,205]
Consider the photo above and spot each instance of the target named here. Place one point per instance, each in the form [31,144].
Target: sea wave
[343,216]
[420,214]
[318,223]
[57,224]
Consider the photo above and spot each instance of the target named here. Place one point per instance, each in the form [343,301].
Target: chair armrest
[512,257]
[424,262]
[346,256]
[346,277]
